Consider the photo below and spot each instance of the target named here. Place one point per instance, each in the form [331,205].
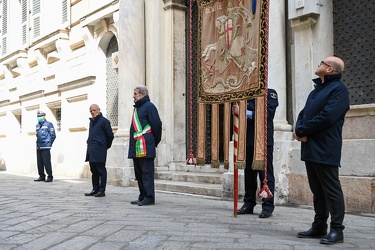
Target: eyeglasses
[322,62]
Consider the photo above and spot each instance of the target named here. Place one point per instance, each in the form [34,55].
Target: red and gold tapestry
[231,46]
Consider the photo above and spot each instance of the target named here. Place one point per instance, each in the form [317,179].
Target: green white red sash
[140,142]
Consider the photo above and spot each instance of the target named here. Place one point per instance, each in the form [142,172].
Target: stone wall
[359,192]
[357,172]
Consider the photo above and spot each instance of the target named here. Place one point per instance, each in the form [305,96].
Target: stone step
[199,177]
[189,187]
[195,183]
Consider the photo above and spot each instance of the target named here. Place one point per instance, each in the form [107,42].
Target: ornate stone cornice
[361,110]
[303,23]
[174,4]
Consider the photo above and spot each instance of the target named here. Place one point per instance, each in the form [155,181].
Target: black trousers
[327,195]
[144,173]
[251,183]
[99,176]
[43,158]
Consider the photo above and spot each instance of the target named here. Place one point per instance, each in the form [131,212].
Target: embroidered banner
[232,47]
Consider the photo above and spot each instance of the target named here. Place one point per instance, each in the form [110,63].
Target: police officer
[251,175]
[45,136]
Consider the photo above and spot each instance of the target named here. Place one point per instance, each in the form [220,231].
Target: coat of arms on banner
[231,47]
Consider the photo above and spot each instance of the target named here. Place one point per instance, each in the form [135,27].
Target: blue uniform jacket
[321,120]
[147,114]
[99,140]
[272,103]
[45,135]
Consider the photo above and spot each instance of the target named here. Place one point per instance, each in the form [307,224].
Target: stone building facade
[60,56]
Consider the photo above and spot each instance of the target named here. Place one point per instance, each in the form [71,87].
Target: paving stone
[58,216]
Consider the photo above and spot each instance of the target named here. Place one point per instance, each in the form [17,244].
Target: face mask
[40,119]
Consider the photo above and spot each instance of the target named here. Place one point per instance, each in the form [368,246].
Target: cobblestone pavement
[57,215]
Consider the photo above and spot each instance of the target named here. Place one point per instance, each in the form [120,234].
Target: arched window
[112,84]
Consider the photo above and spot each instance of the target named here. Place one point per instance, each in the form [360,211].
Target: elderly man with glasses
[319,129]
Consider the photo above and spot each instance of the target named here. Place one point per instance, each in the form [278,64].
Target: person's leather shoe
[145,203]
[49,180]
[332,238]
[246,209]
[92,193]
[135,202]
[40,179]
[100,194]
[265,214]
[313,233]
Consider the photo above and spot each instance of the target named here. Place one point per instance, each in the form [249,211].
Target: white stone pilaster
[312,42]
[277,61]
[155,66]
[132,58]
[302,62]
[131,72]
[174,106]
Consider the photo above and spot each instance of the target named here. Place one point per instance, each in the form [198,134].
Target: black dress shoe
[313,233]
[49,180]
[265,214]
[135,202]
[333,238]
[92,193]
[145,203]
[246,209]
[100,194]
[40,179]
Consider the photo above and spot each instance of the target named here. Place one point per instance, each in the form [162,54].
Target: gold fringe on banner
[258,165]
[215,164]
[258,161]
[226,165]
[240,165]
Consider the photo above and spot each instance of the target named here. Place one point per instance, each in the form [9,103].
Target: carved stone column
[172,86]
[131,72]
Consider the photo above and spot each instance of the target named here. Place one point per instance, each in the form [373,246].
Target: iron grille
[354,25]
[64,11]
[58,119]
[5,18]
[112,84]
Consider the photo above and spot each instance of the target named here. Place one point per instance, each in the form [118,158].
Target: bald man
[99,141]
[319,129]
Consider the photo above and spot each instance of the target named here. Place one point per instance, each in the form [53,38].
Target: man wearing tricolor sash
[145,135]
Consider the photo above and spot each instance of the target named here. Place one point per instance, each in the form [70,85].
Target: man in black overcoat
[99,141]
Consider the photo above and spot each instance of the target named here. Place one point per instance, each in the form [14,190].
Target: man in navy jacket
[99,141]
[319,128]
[145,135]
[45,136]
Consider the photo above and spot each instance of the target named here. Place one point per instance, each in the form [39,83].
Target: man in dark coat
[45,136]
[251,175]
[99,141]
[319,128]
[145,135]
